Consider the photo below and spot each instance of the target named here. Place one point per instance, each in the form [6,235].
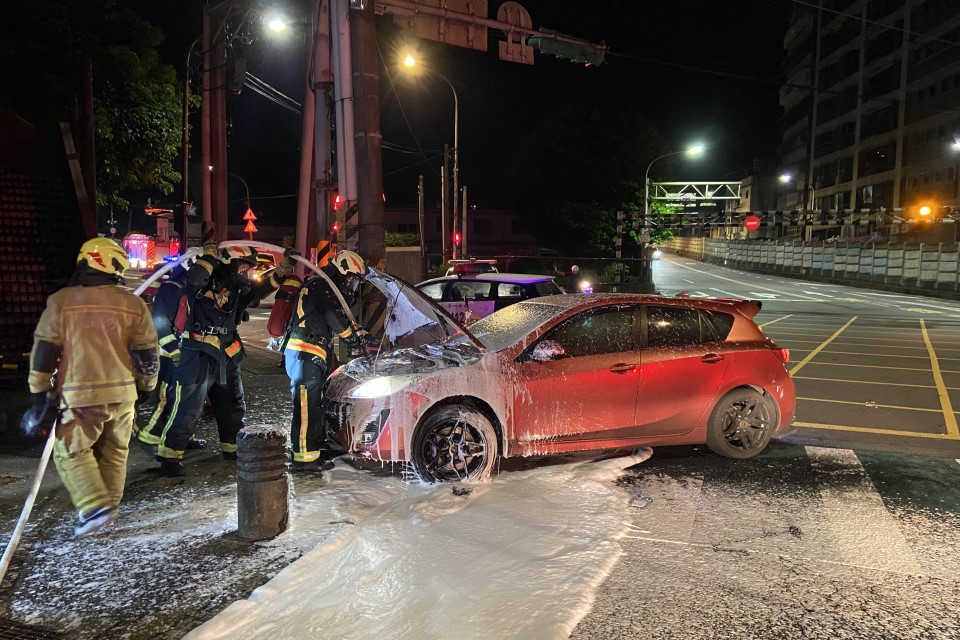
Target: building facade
[872,106]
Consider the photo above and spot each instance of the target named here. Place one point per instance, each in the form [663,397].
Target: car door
[589,393]
[682,366]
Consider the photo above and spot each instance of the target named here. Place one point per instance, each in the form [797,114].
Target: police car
[471,296]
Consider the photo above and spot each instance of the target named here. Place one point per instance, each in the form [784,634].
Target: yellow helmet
[105,255]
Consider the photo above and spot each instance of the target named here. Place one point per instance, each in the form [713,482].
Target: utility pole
[366,91]
[444,194]
[463,229]
[307,135]
[423,230]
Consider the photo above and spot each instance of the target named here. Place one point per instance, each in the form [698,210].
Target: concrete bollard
[262,483]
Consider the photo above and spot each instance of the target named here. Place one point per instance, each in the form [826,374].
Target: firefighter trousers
[152,410]
[90,453]
[307,432]
[197,377]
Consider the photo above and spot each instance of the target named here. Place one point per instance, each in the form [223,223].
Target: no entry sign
[751,223]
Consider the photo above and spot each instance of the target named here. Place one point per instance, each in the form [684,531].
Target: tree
[577,169]
[136,98]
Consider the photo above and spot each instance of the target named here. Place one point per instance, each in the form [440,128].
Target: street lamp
[786,178]
[410,62]
[693,150]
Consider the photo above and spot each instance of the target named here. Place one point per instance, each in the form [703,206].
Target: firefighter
[219,293]
[317,316]
[94,349]
[170,305]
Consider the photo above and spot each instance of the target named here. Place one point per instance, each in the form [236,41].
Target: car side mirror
[548,350]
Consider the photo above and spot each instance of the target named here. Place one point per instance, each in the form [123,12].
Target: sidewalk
[171,562]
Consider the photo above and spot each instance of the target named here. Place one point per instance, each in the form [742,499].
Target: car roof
[748,308]
[512,278]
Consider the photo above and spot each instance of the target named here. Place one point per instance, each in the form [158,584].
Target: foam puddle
[519,557]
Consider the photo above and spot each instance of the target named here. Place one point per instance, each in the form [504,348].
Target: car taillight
[781,353]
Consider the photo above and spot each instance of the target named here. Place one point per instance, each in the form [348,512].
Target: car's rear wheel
[454,443]
[741,424]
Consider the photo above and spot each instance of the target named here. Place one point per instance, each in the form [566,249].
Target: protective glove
[42,414]
[286,265]
[210,245]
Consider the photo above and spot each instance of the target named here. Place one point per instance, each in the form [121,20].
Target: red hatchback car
[567,373]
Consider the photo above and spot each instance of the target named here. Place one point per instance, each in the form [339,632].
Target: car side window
[673,327]
[509,291]
[434,291]
[718,323]
[470,290]
[597,331]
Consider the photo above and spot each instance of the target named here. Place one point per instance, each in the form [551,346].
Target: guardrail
[931,269]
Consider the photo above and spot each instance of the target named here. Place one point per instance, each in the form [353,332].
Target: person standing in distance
[94,349]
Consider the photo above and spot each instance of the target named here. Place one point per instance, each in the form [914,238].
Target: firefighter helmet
[348,262]
[104,255]
[239,252]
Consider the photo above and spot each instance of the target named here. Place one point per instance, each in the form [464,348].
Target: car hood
[410,311]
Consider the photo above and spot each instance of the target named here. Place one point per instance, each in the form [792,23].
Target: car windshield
[511,324]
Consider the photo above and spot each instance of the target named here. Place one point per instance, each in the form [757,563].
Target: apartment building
[872,105]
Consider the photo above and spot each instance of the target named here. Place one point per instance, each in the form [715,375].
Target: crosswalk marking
[856,522]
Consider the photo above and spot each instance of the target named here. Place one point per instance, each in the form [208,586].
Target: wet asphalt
[803,542]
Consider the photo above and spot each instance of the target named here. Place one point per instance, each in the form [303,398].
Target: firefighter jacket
[317,316]
[170,310]
[218,303]
[99,345]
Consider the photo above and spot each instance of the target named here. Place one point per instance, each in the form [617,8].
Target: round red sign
[751,223]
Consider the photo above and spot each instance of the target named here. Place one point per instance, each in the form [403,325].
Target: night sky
[699,71]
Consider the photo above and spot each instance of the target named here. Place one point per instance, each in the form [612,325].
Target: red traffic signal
[456,238]
[336,201]
[751,223]
[335,228]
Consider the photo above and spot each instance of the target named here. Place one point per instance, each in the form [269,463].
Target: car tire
[741,424]
[454,443]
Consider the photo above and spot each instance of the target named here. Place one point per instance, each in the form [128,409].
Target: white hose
[28,506]
[159,273]
[266,246]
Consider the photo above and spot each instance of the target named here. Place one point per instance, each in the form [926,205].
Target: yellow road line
[945,404]
[880,355]
[886,384]
[813,353]
[872,366]
[767,324]
[886,432]
[872,406]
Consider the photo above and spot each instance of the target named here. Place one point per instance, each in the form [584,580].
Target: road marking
[886,384]
[767,324]
[817,293]
[883,432]
[880,355]
[921,310]
[854,515]
[813,353]
[764,296]
[714,275]
[727,293]
[873,405]
[946,405]
[872,366]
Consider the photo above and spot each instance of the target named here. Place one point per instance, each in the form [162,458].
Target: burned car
[560,374]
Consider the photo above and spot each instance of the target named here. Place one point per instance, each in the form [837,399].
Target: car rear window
[434,290]
[548,288]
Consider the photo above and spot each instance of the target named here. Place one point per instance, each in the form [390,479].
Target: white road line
[855,521]
[727,293]
[817,293]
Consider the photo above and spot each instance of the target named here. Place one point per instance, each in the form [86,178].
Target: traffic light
[568,48]
[335,228]
[456,239]
[336,201]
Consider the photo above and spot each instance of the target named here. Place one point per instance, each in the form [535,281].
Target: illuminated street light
[785,178]
[693,150]
[924,211]
[276,22]
[410,62]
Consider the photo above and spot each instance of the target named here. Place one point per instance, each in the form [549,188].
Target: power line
[271,98]
[273,90]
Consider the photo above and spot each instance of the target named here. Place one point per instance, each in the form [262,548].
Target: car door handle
[711,358]
[622,367]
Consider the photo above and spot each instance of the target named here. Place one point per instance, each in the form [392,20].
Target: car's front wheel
[454,443]
[741,424]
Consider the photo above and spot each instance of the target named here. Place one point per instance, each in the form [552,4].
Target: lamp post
[786,178]
[693,150]
[409,61]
